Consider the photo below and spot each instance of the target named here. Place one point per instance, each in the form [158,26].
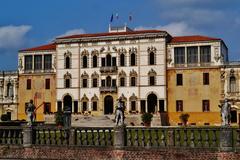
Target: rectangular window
[205,54]
[67,83]
[152,80]
[179,55]
[85,82]
[143,106]
[47,108]
[205,105]
[133,105]
[161,106]
[29,84]
[95,82]
[205,78]
[133,81]
[122,82]
[38,62]
[28,62]
[114,82]
[179,105]
[94,106]
[192,55]
[113,61]
[47,83]
[103,62]
[103,82]
[47,62]
[179,79]
[75,106]
[84,107]
[59,106]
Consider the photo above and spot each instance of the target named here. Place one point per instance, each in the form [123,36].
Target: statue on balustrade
[30,112]
[225,113]
[119,113]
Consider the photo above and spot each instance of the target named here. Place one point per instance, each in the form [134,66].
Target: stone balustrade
[214,138]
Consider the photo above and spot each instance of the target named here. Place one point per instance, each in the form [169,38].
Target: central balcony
[108,69]
[108,89]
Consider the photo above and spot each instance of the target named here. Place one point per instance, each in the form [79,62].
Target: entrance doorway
[67,103]
[151,103]
[108,105]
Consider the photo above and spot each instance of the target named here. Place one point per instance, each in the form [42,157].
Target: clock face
[38,84]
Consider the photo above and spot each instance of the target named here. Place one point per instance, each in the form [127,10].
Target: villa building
[37,78]
[150,70]
[193,75]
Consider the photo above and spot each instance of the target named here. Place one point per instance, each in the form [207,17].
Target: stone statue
[30,112]
[225,113]
[119,114]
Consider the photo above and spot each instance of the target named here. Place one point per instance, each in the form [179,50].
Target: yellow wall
[37,86]
[192,92]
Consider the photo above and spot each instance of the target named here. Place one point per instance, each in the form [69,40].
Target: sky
[29,23]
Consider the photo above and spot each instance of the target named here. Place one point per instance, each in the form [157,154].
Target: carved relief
[151,49]
[85,52]
[122,50]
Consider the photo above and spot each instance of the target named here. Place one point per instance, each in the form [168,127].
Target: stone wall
[110,153]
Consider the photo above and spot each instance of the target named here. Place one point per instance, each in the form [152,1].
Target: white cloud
[13,36]
[73,32]
[175,28]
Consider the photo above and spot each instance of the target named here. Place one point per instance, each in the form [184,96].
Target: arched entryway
[151,103]
[67,103]
[108,105]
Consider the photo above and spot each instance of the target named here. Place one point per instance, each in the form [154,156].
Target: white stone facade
[141,44]
[9,93]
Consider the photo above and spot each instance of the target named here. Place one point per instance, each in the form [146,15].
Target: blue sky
[28,23]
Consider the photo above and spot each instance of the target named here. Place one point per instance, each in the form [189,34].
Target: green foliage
[184,118]
[146,117]
[59,118]
[5,117]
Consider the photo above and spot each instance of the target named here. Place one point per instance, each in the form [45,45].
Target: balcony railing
[108,69]
[108,89]
[39,71]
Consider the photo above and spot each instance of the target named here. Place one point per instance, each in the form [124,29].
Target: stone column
[27,136]
[226,138]
[1,89]
[119,136]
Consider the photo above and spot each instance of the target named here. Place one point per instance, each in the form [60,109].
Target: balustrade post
[171,138]
[27,136]
[226,138]
[72,139]
[120,136]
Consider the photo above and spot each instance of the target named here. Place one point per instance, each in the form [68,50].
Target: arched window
[133,59]
[95,77]
[122,60]
[232,85]
[94,103]
[133,102]
[85,59]
[67,80]
[109,59]
[84,101]
[108,81]
[67,58]
[122,76]
[152,77]
[152,58]
[133,78]
[84,77]
[94,61]
[9,90]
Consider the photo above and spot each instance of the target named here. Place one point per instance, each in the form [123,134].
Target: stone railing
[108,69]
[216,138]
[108,89]
[11,135]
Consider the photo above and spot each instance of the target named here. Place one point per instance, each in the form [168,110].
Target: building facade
[37,79]
[94,70]
[9,94]
[193,75]
[230,76]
